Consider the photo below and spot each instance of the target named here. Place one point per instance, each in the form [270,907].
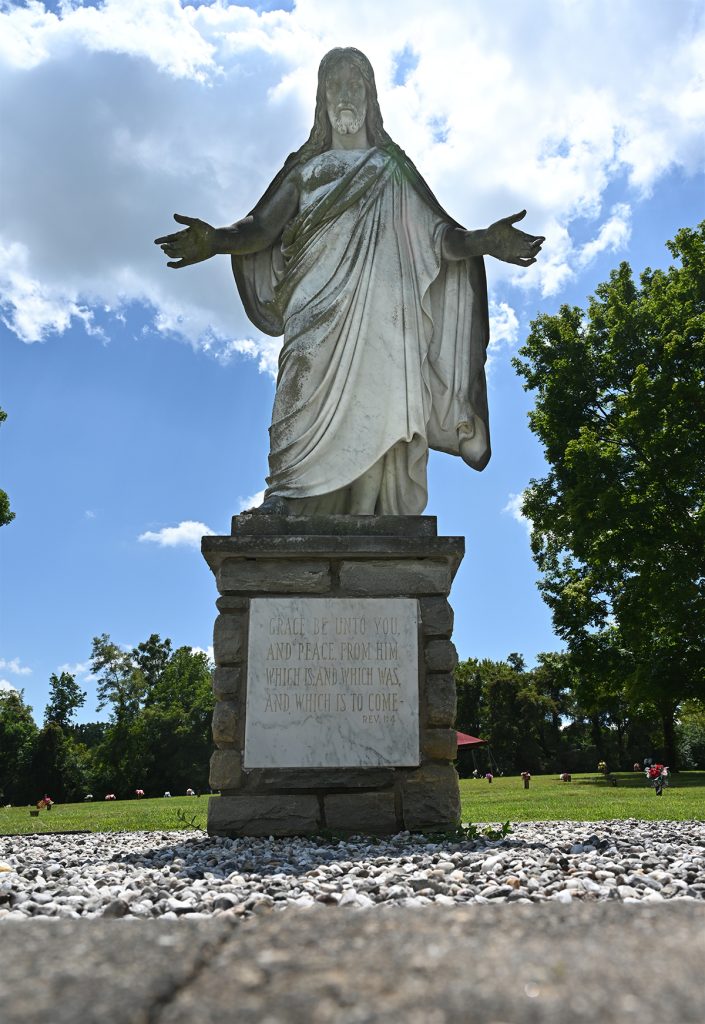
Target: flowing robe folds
[384,340]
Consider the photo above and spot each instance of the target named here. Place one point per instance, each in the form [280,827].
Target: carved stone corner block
[370,813]
[441,700]
[228,638]
[226,724]
[225,769]
[275,576]
[436,617]
[229,603]
[431,798]
[403,576]
[227,682]
[440,656]
[439,744]
[264,815]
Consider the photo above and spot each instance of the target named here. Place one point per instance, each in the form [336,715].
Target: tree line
[157,737]
[549,719]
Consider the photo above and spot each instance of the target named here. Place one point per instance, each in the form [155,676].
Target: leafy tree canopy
[65,698]
[618,523]
[18,733]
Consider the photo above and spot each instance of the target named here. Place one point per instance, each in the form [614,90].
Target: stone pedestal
[340,628]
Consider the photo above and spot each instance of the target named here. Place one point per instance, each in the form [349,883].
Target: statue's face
[346,98]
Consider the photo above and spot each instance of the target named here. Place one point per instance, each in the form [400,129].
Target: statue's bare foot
[272,506]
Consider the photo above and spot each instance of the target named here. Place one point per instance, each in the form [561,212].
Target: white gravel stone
[177,875]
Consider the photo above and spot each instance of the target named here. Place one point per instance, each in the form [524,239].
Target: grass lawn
[586,798]
[158,815]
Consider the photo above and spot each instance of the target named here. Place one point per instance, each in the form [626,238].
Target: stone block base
[369,813]
[264,815]
[431,798]
[332,557]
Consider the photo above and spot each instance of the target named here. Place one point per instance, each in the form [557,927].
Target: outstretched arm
[199,240]
[501,240]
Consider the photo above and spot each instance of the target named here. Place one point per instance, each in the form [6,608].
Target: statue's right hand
[192,245]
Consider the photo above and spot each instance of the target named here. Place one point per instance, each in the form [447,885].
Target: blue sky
[138,398]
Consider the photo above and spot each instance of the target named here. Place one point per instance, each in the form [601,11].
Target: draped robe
[384,340]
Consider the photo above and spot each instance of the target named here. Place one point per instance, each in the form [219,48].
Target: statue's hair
[321,134]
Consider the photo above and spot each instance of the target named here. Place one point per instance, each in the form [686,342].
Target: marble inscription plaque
[332,683]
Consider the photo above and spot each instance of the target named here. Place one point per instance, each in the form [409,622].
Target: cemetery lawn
[586,798]
[157,815]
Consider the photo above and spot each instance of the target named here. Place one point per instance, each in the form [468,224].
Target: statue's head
[346,97]
[342,69]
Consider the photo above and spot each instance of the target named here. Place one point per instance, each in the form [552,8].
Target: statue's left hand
[192,245]
[507,243]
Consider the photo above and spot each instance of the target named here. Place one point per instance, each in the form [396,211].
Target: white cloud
[157,29]
[208,651]
[254,501]
[14,667]
[613,235]
[513,507]
[504,331]
[264,350]
[7,687]
[504,324]
[186,534]
[117,115]
[80,669]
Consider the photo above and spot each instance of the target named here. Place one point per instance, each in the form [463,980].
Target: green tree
[514,712]
[501,704]
[119,761]
[59,764]
[6,516]
[159,734]
[517,662]
[554,679]
[120,680]
[47,764]
[618,523]
[152,657]
[469,683]
[18,733]
[690,734]
[176,724]
[89,734]
[66,697]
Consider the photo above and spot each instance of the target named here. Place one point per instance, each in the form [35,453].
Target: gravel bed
[191,875]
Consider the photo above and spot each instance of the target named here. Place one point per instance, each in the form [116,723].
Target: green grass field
[158,815]
[586,798]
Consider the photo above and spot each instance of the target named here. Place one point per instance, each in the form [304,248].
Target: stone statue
[382,300]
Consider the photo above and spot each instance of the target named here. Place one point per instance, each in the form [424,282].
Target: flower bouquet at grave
[657,774]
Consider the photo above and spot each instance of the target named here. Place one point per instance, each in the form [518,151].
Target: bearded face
[346,98]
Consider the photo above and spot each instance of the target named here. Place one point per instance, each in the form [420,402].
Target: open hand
[192,245]
[507,243]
